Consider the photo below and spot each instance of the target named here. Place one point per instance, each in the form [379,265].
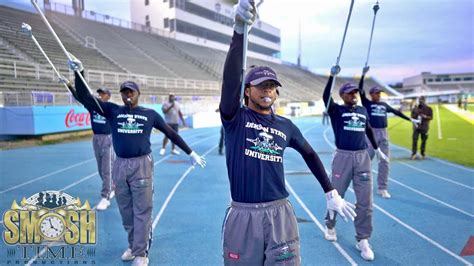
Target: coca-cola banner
[41,120]
[52,119]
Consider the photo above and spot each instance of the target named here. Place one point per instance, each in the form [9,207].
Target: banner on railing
[42,120]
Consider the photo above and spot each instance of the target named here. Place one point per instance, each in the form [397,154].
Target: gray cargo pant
[104,155]
[354,166]
[133,178]
[381,137]
[261,234]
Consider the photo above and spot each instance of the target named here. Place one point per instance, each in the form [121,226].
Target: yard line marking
[438,122]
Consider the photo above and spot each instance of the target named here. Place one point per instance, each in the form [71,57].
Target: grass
[470,107]
[456,145]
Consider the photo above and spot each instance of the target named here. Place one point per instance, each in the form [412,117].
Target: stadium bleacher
[160,65]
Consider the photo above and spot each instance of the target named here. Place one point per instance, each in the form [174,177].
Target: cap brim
[260,80]
[375,91]
[347,91]
[125,88]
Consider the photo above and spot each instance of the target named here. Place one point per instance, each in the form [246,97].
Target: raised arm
[396,112]
[232,78]
[363,95]
[327,95]
[245,14]
[87,99]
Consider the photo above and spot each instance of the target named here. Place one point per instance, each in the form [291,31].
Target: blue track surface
[428,221]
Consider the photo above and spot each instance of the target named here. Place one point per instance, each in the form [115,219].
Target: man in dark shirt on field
[424,114]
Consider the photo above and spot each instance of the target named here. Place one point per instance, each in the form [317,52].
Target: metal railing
[191,104]
[22,69]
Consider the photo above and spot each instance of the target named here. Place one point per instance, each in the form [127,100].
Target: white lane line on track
[416,168]
[32,260]
[429,197]
[413,230]
[46,175]
[311,215]
[437,176]
[95,173]
[50,174]
[319,225]
[458,166]
[170,195]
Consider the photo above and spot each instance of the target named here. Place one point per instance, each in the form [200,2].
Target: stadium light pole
[340,51]
[45,20]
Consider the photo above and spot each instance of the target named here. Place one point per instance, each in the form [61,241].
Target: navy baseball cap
[129,85]
[375,90]
[260,74]
[348,87]
[104,90]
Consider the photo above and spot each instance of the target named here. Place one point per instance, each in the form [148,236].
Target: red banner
[77,119]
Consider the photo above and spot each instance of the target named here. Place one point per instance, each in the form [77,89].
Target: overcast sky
[410,36]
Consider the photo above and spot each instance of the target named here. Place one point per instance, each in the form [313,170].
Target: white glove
[196,159]
[74,64]
[25,29]
[415,122]
[337,204]
[245,12]
[381,155]
[63,79]
[365,70]
[335,70]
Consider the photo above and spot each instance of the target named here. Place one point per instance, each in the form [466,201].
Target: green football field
[452,140]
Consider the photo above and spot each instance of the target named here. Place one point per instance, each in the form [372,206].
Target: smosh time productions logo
[50,227]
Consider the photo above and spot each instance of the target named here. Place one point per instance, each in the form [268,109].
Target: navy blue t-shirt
[377,110]
[349,123]
[99,124]
[130,127]
[257,142]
